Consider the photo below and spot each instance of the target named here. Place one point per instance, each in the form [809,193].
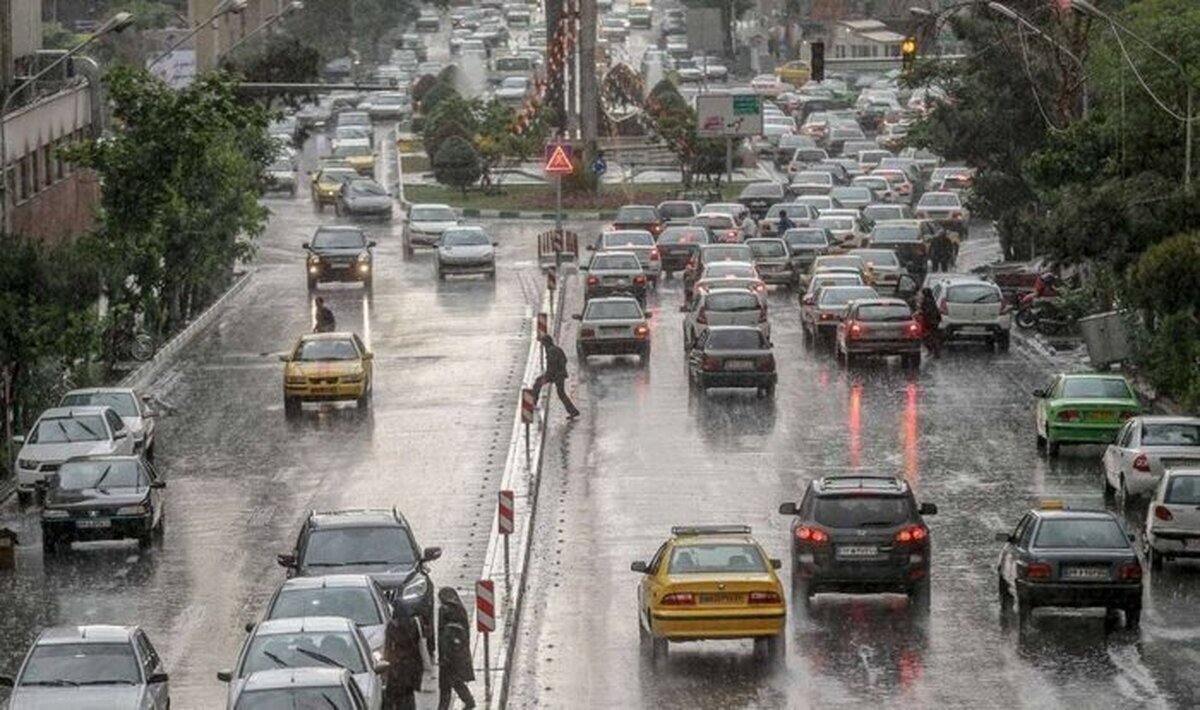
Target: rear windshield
[809,155]
[702,559]
[353,603]
[861,511]
[732,302]
[612,310]
[763,189]
[637,214]
[627,239]
[64,430]
[880,258]
[805,237]
[683,235]
[615,262]
[729,268]
[1184,490]
[739,339]
[842,194]
[836,222]
[852,262]
[768,248]
[842,296]
[1096,387]
[713,221]
[820,178]
[884,313]
[932,200]
[1181,434]
[677,210]
[121,402]
[879,213]
[973,293]
[1080,533]
[896,233]
[730,253]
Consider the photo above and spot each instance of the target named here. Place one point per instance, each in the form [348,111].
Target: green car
[1083,409]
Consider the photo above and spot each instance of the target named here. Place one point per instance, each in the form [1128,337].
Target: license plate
[323,390]
[1102,416]
[739,365]
[973,331]
[93,524]
[857,551]
[613,330]
[617,281]
[1085,573]
[722,598]
[339,266]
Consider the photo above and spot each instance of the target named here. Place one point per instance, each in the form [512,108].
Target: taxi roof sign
[558,159]
[710,530]
[1051,504]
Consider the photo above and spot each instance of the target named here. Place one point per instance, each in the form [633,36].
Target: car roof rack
[710,530]
[859,481]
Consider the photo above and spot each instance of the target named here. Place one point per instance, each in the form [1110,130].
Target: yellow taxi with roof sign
[710,582]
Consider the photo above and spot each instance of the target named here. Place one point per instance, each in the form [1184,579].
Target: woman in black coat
[402,648]
[455,667]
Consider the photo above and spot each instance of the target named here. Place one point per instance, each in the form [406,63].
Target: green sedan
[1083,409]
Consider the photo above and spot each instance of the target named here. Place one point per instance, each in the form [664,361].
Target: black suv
[860,534]
[341,253]
[376,542]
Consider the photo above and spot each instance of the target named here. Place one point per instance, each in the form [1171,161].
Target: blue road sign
[599,166]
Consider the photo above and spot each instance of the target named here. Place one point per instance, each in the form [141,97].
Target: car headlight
[352,379]
[415,589]
[296,380]
[55,514]
[314,260]
[132,510]
[27,463]
[365,256]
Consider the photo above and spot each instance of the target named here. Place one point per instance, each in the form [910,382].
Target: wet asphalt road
[646,456]
[448,361]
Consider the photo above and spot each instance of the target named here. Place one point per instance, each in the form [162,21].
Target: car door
[1040,408]
[122,441]
[1009,553]
[1116,453]
[158,693]
[696,354]
[649,584]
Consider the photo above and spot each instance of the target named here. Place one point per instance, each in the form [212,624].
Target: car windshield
[973,293]
[514,82]
[66,430]
[612,310]
[316,649]
[1170,434]
[841,296]
[677,210]
[861,511]
[767,248]
[637,214]
[353,132]
[627,239]
[805,237]
[432,214]
[1096,388]
[1081,533]
[337,175]
[359,545]
[1183,490]
[713,221]
[345,151]
[763,189]
[709,559]
[354,603]
[896,233]
[735,339]
[339,239]
[883,313]
[308,698]
[934,199]
[323,349]
[367,188]
[615,262]
[122,403]
[81,475]
[732,302]
[80,663]
[282,166]
[465,238]
[513,64]
[683,235]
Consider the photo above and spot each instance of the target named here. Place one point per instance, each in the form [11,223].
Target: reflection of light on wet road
[911,472]
[855,425]
[366,320]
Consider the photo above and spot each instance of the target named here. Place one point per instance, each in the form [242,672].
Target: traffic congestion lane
[645,456]
[449,359]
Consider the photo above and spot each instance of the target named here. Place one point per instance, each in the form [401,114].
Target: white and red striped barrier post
[505,523]
[528,400]
[485,623]
[552,284]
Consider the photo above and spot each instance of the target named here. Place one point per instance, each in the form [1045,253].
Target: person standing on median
[556,374]
[455,667]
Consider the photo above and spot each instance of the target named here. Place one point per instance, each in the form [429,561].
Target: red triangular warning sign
[559,162]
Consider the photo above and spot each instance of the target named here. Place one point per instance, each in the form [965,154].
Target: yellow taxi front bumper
[736,623]
[312,392]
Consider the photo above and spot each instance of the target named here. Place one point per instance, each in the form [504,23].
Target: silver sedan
[1144,448]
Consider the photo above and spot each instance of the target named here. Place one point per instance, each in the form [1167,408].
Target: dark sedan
[732,356]
[677,244]
[339,254]
[103,498]
[643,217]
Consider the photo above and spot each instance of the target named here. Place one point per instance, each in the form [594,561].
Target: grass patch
[541,198]
[410,164]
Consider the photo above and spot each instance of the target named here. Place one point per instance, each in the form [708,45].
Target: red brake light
[640,331]
[1037,570]
[587,333]
[1130,571]
[1069,415]
[1141,463]
[914,330]
[764,598]
[766,363]
[679,599]
[639,279]
[914,533]
[814,535]
[828,316]
[654,254]
[711,363]
[855,330]
[1162,512]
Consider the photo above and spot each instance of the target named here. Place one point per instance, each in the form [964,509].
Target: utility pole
[572,82]
[588,97]
[554,80]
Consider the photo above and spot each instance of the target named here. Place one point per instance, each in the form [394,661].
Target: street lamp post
[225,7]
[1017,18]
[1189,117]
[116,23]
[288,9]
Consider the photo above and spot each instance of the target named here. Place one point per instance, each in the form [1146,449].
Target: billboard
[724,115]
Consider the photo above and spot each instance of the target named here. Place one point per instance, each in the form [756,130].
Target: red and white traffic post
[528,399]
[543,328]
[485,624]
[505,524]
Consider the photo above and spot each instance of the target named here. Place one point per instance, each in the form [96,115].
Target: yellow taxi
[710,582]
[327,367]
[359,157]
[795,73]
[327,184]
[639,3]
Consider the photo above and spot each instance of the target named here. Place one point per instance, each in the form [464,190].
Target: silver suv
[972,309]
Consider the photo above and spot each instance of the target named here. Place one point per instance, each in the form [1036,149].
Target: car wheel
[1110,493]
[291,407]
[1133,617]
[920,598]
[659,648]
[1053,448]
[1003,342]
[24,497]
[1041,444]
[1156,559]
[441,274]
[50,543]
[146,538]
[1024,612]
[364,402]
[312,284]
[1006,599]
[911,361]
[644,355]
[777,647]
[806,338]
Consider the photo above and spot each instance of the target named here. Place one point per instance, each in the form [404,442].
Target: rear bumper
[1083,433]
[613,346]
[638,292]
[738,379]
[717,624]
[1080,596]
[825,573]
[972,331]
[1176,543]
[881,347]
[784,277]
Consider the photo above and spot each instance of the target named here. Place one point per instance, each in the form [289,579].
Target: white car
[724,306]
[353,596]
[63,433]
[767,85]
[301,688]
[973,309]
[1145,447]
[133,409]
[638,242]
[512,90]
[425,223]
[613,326]
[466,250]
[730,274]
[1173,520]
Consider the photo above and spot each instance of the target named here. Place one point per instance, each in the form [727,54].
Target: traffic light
[818,60]
[908,53]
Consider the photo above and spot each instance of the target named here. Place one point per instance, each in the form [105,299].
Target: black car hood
[96,497]
[339,251]
[386,576]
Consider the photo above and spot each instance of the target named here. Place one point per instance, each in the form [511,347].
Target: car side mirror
[576,316]
[158,484]
[382,665]
[225,675]
[249,626]
[807,300]
[288,560]
[368,356]
[1003,537]
[776,563]
[1039,393]
[120,434]
[430,554]
[306,245]
[928,509]
[787,509]
[582,268]
[285,358]
[19,439]
[159,677]
[495,244]
[639,566]
[371,244]
[6,682]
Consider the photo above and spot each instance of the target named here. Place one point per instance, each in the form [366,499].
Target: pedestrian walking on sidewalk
[556,374]
[455,668]
[402,649]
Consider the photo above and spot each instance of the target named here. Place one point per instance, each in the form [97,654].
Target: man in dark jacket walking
[556,373]
[326,323]
[455,668]
[930,317]
[402,649]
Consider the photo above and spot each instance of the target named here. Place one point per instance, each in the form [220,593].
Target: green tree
[457,164]
[439,92]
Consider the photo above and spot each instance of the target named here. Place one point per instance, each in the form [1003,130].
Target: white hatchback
[1173,521]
